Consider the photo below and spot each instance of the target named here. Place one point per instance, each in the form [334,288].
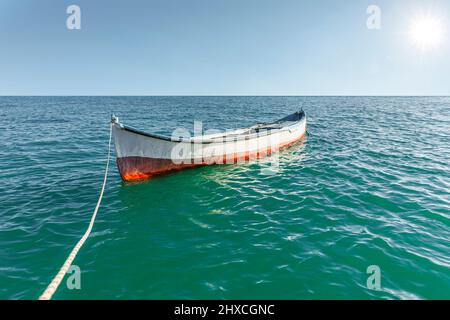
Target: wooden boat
[141,155]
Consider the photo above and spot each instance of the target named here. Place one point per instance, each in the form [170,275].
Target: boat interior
[234,134]
[259,127]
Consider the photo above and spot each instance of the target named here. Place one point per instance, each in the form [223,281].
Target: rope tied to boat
[53,286]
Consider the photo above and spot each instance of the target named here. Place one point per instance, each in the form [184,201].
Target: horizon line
[219,95]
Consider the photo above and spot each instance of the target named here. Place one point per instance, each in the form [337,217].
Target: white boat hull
[141,156]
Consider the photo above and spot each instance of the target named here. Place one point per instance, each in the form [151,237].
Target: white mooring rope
[47,295]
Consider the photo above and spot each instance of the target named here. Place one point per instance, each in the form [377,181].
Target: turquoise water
[369,186]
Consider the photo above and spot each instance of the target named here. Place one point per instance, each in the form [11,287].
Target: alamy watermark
[374,19]
[374,280]
[74,279]
[73,21]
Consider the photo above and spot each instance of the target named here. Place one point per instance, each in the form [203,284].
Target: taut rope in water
[53,286]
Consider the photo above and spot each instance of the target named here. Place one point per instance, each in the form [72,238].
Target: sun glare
[427,32]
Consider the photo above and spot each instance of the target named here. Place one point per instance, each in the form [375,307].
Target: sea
[359,209]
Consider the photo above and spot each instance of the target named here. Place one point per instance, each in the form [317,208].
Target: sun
[427,32]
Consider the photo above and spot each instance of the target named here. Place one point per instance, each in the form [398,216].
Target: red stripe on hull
[140,168]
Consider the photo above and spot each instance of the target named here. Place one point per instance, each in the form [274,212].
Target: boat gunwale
[220,138]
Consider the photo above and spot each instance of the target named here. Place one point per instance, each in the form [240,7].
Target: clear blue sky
[218,47]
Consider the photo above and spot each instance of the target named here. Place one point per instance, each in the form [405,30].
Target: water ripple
[368,186]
